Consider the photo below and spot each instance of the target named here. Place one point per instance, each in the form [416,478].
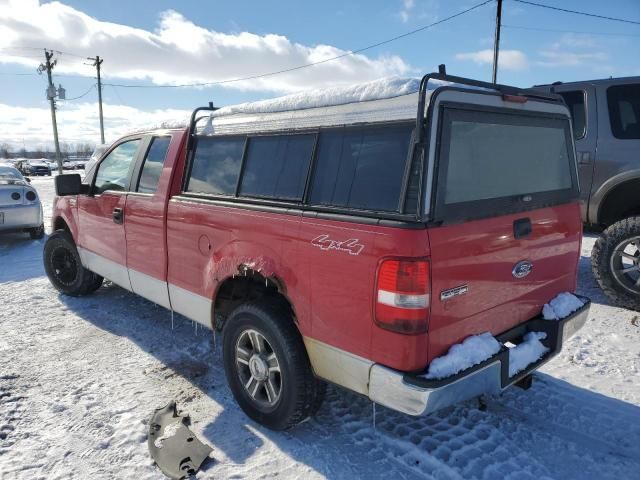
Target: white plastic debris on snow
[561,306]
[527,352]
[375,90]
[472,351]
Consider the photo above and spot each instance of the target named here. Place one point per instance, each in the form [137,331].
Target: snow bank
[561,306]
[375,90]
[527,352]
[470,352]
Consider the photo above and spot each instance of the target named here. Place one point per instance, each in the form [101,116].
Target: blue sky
[562,47]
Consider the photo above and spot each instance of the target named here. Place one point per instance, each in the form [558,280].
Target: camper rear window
[492,163]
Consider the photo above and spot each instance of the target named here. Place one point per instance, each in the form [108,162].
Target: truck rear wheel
[267,366]
[615,262]
[64,267]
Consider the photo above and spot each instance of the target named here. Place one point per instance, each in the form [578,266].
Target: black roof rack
[504,89]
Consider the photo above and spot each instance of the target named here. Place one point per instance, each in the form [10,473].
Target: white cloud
[508,59]
[423,10]
[77,123]
[407,6]
[178,50]
[556,58]
[573,50]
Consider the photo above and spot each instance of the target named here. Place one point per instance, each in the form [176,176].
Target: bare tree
[5,150]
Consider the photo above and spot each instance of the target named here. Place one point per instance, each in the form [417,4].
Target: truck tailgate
[482,255]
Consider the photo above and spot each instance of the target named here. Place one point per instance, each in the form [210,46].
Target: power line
[115,90]
[614,34]
[299,67]
[83,95]
[586,14]
[59,52]
[36,74]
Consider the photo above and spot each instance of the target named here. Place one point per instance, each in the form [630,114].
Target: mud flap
[174,448]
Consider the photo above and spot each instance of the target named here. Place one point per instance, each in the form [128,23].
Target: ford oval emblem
[522,269]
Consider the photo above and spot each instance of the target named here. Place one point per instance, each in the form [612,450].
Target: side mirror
[27,179]
[69,184]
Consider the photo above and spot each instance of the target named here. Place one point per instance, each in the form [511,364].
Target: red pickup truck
[351,242]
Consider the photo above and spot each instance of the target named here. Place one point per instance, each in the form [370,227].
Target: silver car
[20,207]
[606,127]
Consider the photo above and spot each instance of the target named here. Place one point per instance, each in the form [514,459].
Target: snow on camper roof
[386,99]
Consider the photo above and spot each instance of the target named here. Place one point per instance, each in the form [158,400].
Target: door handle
[522,228]
[118,215]
[584,158]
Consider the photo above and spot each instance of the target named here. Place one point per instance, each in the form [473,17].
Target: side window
[624,110]
[276,166]
[575,102]
[113,171]
[361,168]
[152,167]
[216,165]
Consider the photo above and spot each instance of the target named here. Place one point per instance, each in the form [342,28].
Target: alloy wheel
[258,368]
[625,264]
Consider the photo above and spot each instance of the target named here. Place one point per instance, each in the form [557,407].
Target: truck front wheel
[64,267]
[267,366]
[615,262]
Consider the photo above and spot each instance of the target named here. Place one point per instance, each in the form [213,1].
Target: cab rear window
[495,163]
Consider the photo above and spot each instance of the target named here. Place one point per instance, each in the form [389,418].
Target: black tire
[301,393]
[604,259]
[64,267]
[97,283]
[37,233]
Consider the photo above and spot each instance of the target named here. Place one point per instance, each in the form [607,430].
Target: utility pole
[496,43]
[51,95]
[96,63]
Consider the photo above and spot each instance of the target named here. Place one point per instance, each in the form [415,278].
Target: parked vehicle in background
[606,127]
[71,165]
[20,208]
[53,165]
[350,240]
[34,167]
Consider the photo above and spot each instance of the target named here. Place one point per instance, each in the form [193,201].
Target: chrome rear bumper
[415,395]
[15,217]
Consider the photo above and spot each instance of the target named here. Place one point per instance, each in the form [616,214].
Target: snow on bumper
[20,216]
[415,395]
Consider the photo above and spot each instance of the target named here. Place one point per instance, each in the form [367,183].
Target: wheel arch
[617,199]
[60,223]
[244,285]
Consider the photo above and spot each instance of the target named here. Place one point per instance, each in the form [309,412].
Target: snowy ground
[80,377]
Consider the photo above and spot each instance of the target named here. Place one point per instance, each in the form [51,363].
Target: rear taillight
[402,295]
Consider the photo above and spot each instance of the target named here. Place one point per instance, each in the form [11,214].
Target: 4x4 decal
[323,242]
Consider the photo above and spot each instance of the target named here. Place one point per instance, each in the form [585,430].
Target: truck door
[144,221]
[584,118]
[101,240]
